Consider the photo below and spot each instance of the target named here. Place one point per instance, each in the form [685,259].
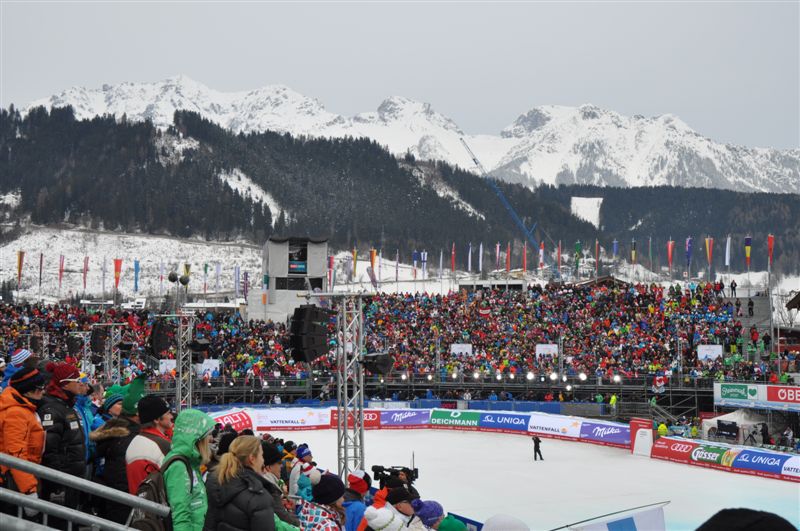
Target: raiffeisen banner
[503,422]
[555,426]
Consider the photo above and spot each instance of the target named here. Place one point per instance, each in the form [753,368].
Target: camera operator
[406,475]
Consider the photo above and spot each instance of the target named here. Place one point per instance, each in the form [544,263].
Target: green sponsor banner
[708,454]
[454,418]
[739,391]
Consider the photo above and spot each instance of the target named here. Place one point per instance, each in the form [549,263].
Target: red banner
[372,254]
[453,258]
[779,393]
[20,261]
[118,272]
[508,257]
[670,252]
[372,419]
[770,247]
[524,257]
[672,450]
[709,250]
[240,420]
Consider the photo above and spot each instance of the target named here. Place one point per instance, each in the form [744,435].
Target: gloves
[30,512]
[59,497]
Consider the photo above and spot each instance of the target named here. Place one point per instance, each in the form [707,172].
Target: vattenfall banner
[752,461]
[555,426]
[780,397]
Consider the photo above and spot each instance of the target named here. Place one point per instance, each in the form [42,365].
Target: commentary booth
[291,266]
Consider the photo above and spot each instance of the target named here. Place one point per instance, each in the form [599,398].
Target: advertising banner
[555,426]
[461,349]
[503,422]
[777,397]
[641,430]
[676,450]
[292,419]
[713,456]
[606,433]
[240,419]
[404,419]
[709,352]
[760,462]
[372,419]
[165,366]
[546,349]
[791,469]
[454,419]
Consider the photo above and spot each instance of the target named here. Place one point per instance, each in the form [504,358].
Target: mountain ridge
[548,144]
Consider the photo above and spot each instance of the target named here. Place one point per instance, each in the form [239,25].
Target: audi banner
[372,419]
[676,450]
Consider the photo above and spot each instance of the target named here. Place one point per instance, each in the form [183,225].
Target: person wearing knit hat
[21,433]
[65,445]
[21,357]
[383,519]
[358,484]
[326,511]
[301,465]
[430,512]
[274,485]
[386,484]
[146,451]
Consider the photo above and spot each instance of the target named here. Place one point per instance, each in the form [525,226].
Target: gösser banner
[606,434]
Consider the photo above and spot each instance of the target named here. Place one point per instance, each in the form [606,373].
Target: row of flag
[419,259]
[241,278]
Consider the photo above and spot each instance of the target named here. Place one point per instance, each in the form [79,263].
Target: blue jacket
[354,512]
[10,370]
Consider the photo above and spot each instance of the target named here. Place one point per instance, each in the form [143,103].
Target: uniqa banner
[606,433]
[555,426]
[760,461]
[405,418]
[503,421]
[454,418]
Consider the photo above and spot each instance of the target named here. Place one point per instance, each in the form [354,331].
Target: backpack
[153,489]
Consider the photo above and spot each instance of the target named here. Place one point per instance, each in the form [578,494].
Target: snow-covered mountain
[546,145]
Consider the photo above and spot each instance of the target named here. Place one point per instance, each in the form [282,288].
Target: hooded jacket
[112,440]
[65,444]
[187,497]
[243,503]
[21,435]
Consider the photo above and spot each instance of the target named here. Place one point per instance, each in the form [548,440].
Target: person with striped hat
[21,357]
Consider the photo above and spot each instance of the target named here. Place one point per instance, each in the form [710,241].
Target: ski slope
[478,475]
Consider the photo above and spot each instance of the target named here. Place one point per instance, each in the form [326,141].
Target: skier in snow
[537,451]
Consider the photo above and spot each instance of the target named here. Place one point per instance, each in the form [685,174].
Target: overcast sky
[730,70]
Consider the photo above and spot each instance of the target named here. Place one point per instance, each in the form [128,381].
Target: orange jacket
[21,435]
[378,501]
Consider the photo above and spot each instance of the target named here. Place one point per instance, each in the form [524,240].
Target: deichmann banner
[780,397]
[503,422]
[555,426]
[405,418]
[454,419]
[607,434]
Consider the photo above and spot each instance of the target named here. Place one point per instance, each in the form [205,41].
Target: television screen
[729,430]
[298,258]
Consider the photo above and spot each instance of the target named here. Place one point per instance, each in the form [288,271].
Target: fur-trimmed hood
[112,429]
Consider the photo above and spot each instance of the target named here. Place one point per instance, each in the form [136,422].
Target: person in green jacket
[662,430]
[187,496]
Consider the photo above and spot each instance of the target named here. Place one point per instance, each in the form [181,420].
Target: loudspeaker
[74,345]
[308,333]
[97,341]
[161,336]
[378,363]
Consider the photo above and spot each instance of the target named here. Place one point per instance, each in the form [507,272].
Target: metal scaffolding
[112,360]
[184,336]
[349,383]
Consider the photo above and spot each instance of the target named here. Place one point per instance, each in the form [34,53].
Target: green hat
[134,393]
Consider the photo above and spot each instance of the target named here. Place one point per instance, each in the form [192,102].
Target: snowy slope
[548,144]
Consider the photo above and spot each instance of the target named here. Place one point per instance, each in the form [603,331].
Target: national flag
[414,260]
[453,258]
[633,251]
[136,276]
[525,257]
[205,278]
[541,255]
[41,266]
[615,248]
[423,257]
[578,254]
[596,257]
[728,252]
[497,256]
[85,270]
[748,245]
[60,270]
[236,280]
[397,265]
[373,254]
[20,261]
[355,261]
[508,258]
[670,252]
[469,258]
[770,249]
[689,251]
[709,249]
[558,257]
[480,258]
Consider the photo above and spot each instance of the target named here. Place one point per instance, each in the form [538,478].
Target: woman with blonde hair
[238,495]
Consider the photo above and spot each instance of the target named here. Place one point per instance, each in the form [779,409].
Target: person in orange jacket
[21,433]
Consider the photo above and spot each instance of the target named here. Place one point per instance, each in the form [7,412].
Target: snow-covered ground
[478,475]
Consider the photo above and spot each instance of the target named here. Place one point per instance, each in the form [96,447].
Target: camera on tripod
[382,473]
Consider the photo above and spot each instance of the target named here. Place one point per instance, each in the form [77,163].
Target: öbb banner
[606,434]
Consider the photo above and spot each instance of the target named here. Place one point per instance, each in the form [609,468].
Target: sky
[730,70]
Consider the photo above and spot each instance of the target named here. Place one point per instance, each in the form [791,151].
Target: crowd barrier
[729,458]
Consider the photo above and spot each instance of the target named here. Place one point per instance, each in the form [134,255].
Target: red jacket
[144,455]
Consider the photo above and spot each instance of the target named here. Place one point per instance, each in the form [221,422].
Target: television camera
[382,473]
